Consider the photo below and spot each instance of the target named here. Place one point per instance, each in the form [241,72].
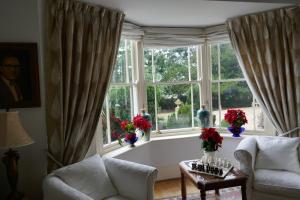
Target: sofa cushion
[277,182]
[88,176]
[116,198]
[278,153]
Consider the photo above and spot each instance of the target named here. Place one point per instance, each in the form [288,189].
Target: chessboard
[213,169]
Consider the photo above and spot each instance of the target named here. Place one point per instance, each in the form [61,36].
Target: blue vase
[132,141]
[236,131]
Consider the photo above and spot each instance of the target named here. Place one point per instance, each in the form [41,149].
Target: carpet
[225,194]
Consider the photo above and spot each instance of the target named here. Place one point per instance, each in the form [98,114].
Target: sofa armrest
[55,188]
[245,153]
[132,180]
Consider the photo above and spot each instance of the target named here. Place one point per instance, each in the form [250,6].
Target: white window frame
[128,83]
[190,82]
[138,89]
[219,81]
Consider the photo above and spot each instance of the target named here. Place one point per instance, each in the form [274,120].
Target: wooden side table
[206,182]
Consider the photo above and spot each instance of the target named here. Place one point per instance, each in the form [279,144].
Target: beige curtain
[268,48]
[82,44]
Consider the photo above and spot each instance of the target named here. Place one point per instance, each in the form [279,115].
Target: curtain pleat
[268,49]
[82,44]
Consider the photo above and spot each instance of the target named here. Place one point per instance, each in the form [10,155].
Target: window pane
[230,67]
[171,64]
[119,102]
[174,110]
[197,103]
[148,65]
[129,48]
[119,107]
[193,60]
[237,95]
[259,118]
[215,105]
[214,62]
[103,119]
[151,104]
[119,73]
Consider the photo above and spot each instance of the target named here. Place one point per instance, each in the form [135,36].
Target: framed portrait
[19,75]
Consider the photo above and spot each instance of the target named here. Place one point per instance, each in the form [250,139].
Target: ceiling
[185,13]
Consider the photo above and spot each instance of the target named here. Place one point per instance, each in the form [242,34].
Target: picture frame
[19,76]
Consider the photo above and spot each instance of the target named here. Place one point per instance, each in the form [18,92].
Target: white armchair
[95,179]
[272,164]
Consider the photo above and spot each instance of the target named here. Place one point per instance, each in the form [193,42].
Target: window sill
[115,149]
[196,130]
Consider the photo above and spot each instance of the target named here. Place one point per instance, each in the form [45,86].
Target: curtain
[82,44]
[268,49]
[132,32]
[176,37]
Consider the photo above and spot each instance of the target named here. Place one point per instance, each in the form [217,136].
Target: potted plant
[143,123]
[236,118]
[130,135]
[211,141]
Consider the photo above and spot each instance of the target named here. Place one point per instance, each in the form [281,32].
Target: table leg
[183,186]
[202,194]
[217,191]
[244,195]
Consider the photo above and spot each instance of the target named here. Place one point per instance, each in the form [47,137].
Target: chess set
[218,168]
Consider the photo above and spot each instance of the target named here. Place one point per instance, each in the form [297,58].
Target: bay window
[173,84]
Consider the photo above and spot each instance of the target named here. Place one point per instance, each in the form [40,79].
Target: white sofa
[262,159]
[95,178]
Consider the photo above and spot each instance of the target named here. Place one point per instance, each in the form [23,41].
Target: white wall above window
[185,13]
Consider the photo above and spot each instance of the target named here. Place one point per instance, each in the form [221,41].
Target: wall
[20,22]
[165,153]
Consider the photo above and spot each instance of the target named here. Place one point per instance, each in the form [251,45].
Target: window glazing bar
[174,83]
[108,130]
[228,80]
[219,85]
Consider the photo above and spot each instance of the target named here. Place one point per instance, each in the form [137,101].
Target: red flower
[115,135]
[235,118]
[211,139]
[141,123]
[124,124]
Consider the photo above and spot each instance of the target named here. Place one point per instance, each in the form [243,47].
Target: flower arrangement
[116,130]
[236,118]
[142,123]
[129,128]
[211,139]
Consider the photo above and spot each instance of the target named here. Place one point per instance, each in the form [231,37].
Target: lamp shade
[12,133]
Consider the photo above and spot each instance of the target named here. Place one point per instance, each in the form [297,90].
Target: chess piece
[221,172]
[194,166]
[216,171]
[207,168]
